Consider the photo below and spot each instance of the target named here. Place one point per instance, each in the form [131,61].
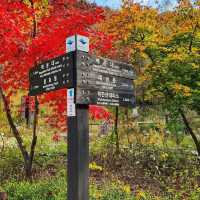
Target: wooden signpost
[52,75]
[103,81]
[90,80]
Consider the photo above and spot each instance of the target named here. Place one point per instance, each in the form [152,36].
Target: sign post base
[78,154]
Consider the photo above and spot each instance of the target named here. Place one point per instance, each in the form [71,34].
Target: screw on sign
[90,80]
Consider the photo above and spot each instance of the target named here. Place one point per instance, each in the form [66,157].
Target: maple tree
[33,31]
[164,49]
[133,28]
[175,69]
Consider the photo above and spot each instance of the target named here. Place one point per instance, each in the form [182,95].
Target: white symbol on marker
[55,78]
[49,79]
[98,61]
[45,81]
[114,80]
[100,77]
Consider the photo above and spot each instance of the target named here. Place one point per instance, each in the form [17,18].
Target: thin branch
[34,135]
[192,37]
[13,126]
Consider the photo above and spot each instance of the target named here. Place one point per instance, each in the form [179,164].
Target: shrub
[54,189]
[111,191]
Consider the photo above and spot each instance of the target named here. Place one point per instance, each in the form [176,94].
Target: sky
[110,3]
[117,3]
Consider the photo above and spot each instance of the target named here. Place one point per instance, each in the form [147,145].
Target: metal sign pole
[78,133]
[78,154]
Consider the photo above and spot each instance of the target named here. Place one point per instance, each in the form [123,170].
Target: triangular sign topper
[71,93]
[77,42]
[70,42]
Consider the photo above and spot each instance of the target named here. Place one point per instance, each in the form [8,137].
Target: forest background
[149,152]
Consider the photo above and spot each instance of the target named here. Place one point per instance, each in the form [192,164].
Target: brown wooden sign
[52,75]
[93,64]
[97,81]
[101,81]
[103,97]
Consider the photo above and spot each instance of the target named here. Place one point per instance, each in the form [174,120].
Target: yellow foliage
[195,66]
[177,56]
[127,189]
[97,194]
[141,195]
[185,90]
[164,156]
[94,166]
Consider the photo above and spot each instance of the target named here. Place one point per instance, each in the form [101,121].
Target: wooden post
[78,131]
[78,154]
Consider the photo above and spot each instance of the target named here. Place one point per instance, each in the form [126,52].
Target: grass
[146,169]
[56,189]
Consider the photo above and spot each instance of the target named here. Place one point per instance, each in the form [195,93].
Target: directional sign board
[106,66]
[51,75]
[99,80]
[103,97]
[96,80]
[103,81]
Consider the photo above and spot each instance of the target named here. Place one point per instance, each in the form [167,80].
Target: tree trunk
[14,128]
[116,130]
[28,169]
[27,158]
[192,37]
[3,196]
[34,136]
[194,137]
[127,131]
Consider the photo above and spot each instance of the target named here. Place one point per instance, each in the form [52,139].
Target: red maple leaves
[20,51]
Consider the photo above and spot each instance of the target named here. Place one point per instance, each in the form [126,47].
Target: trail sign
[96,80]
[103,81]
[104,97]
[78,131]
[93,64]
[90,80]
[51,75]
[71,111]
[77,42]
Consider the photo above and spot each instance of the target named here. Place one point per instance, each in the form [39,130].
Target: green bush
[195,194]
[55,189]
[111,191]
[11,164]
